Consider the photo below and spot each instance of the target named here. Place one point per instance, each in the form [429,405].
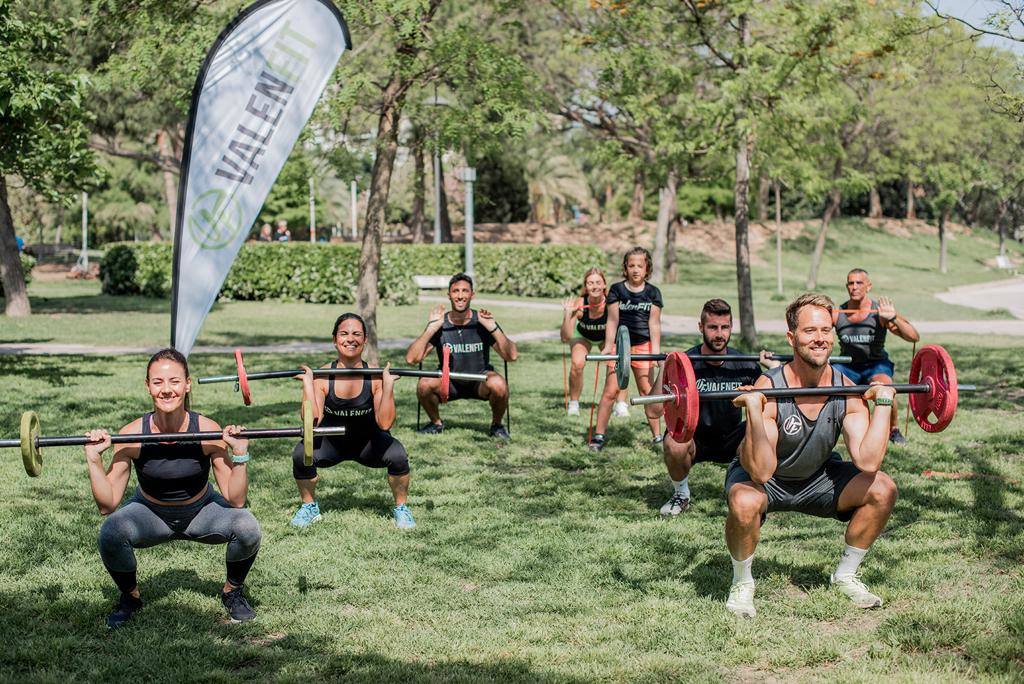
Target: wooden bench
[431,282]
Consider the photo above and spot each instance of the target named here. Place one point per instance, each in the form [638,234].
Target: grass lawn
[535,562]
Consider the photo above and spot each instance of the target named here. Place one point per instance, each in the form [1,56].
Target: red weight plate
[446,361]
[682,413]
[243,379]
[933,366]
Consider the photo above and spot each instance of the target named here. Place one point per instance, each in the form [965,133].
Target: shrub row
[328,273]
[28,262]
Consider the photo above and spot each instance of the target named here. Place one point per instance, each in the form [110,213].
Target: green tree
[416,44]
[43,127]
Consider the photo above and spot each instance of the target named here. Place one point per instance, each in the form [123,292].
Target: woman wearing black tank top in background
[174,499]
[588,314]
[365,406]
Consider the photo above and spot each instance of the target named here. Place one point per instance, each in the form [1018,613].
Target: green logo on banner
[216,220]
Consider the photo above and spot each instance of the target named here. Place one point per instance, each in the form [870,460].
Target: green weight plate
[622,363]
[31,456]
[307,432]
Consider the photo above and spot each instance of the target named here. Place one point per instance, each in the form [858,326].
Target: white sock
[573,404]
[850,561]
[741,570]
[682,487]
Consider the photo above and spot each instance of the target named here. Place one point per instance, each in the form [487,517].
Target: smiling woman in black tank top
[174,499]
[365,406]
[583,327]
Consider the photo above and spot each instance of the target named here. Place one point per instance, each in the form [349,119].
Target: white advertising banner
[256,90]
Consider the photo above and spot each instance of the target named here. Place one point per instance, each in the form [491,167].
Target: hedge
[28,262]
[328,273]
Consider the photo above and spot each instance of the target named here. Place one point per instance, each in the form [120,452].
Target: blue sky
[975,11]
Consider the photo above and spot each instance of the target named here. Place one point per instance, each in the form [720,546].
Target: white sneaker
[676,505]
[574,408]
[741,599]
[854,589]
[620,409]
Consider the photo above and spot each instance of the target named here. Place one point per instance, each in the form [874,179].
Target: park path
[1004,294]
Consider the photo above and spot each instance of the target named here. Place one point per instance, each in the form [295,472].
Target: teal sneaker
[307,514]
[403,518]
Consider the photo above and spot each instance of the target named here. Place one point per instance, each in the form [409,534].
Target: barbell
[622,357]
[242,378]
[933,391]
[31,443]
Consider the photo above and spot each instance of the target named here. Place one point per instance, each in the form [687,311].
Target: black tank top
[172,472]
[864,340]
[592,328]
[804,445]
[470,345]
[356,414]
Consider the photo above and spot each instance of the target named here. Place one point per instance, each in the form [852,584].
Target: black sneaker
[126,606]
[896,437]
[596,442]
[238,608]
[431,429]
[500,433]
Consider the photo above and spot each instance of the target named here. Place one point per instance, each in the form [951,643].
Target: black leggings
[378,450]
[140,523]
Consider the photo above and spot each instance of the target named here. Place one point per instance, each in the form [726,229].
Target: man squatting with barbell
[787,462]
[721,427]
[469,335]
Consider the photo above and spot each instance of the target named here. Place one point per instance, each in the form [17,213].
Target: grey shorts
[817,495]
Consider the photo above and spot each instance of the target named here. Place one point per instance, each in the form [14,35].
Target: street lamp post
[468,176]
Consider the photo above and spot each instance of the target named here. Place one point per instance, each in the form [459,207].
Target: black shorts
[464,389]
[721,448]
[818,495]
[378,450]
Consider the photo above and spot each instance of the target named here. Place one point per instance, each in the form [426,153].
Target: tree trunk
[910,213]
[446,219]
[1004,206]
[418,223]
[778,237]
[819,245]
[741,195]
[609,202]
[636,206]
[764,187]
[11,275]
[943,217]
[170,182]
[666,213]
[380,185]
[874,204]
[670,249]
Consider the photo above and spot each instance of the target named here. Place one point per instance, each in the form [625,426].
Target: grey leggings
[140,523]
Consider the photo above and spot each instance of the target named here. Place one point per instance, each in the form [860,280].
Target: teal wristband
[883,401]
[244,458]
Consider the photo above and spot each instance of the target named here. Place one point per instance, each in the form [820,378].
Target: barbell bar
[242,377]
[31,443]
[933,391]
[622,357]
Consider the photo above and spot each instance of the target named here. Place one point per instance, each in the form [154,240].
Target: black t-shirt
[635,309]
[592,328]
[719,418]
[470,345]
